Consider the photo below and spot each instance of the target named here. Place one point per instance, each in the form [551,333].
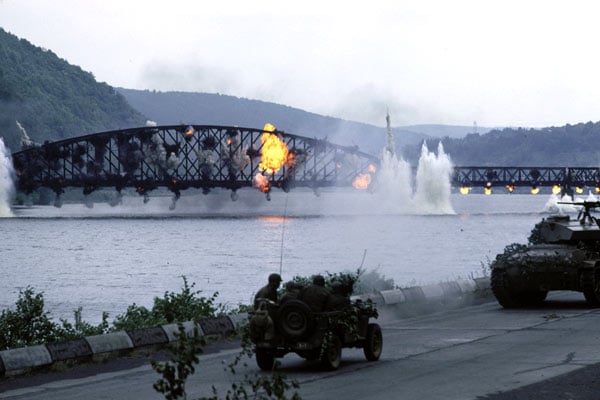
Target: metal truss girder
[181,156]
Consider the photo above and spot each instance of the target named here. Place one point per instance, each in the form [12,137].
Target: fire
[464,190]
[372,169]
[535,190]
[487,190]
[556,189]
[362,181]
[510,188]
[274,151]
[579,189]
[262,183]
[189,132]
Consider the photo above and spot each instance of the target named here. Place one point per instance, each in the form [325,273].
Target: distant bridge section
[564,178]
[189,156]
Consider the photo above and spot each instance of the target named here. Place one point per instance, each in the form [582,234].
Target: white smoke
[25,140]
[7,188]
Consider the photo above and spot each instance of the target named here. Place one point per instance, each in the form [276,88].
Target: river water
[105,258]
[413,229]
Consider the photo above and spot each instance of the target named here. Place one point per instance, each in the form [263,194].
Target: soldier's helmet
[275,278]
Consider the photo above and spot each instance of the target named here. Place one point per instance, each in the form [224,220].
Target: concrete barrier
[25,358]
[34,356]
[238,319]
[147,336]
[217,326]
[391,297]
[109,342]
[172,330]
[72,349]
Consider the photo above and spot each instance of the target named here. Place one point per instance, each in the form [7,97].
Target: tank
[563,254]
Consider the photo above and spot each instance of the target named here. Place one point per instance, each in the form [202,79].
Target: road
[462,354]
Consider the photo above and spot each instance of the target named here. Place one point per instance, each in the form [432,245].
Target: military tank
[563,254]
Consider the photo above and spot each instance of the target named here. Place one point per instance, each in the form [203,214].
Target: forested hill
[53,99]
[570,145]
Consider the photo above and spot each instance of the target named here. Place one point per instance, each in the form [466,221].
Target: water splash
[554,204]
[432,187]
[7,187]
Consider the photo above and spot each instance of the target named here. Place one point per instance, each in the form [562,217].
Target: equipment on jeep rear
[563,254]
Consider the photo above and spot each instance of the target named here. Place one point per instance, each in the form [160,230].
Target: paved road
[471,353]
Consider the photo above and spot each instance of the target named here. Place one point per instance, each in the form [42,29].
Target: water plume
[430,193]
[7,188]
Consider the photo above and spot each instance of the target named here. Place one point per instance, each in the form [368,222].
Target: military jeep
[292,327]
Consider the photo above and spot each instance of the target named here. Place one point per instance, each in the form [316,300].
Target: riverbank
[391,303]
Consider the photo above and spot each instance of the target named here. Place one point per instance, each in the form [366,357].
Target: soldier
[292,291]
[339,299]
[316,295]
[269,291]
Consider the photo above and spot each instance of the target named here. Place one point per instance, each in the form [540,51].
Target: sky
[488,63]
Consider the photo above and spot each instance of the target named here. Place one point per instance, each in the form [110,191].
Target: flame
[487,190]
[597,189]
[579,189]
[372,169]
[189,132]
[535,190]
[556,189]
[362,181]
[262,183]
[510,188]
[465,190]
[274,151]
[229,141]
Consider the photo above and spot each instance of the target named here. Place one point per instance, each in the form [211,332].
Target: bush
[29,324]
[171,308]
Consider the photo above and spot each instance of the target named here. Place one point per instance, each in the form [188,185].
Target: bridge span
[179,157]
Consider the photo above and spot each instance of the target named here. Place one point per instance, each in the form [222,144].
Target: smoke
[25,140]
[7,187]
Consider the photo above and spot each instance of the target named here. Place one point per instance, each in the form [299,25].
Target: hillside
[217,109]
[53,99]
[570,145]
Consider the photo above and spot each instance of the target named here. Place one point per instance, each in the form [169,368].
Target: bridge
[179,157]
[562,179]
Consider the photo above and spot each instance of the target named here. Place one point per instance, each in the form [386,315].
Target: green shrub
[173,307]
[29,324]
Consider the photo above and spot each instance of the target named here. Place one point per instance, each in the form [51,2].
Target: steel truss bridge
[179,157]
[566,178]
[185,156]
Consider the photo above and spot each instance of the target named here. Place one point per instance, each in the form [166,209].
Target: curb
[15,361]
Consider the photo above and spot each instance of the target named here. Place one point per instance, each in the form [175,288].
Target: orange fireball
[362,181]
[274,151]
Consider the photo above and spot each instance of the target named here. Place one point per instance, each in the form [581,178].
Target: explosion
[362,181]
[274,151]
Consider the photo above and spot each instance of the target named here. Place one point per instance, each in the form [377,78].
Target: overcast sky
[496,63]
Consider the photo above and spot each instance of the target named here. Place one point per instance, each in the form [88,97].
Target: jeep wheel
[265,359]
[373,342]
[590,283]
[332,354]
[295,320]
